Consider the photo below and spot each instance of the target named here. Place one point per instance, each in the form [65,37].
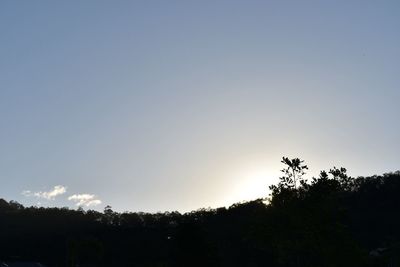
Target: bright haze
[178,105]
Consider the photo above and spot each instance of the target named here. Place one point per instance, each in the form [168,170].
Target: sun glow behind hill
[250,180]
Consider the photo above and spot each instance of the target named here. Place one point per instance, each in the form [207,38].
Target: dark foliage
[334,220]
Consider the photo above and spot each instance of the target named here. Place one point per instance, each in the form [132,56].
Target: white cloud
[87,200]
[27,193]
[49,195]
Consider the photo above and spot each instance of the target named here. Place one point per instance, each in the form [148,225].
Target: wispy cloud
[87,200]
[49,195]
[27,193]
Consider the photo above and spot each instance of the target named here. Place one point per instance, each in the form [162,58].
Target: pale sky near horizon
[179,105]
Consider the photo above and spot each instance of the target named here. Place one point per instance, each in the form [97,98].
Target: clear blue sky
[178,105]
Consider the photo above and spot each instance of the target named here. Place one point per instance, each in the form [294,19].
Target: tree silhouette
[293,171]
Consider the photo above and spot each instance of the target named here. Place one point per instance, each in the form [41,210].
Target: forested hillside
[330,220]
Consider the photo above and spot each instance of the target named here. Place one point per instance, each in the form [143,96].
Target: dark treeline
[332,220]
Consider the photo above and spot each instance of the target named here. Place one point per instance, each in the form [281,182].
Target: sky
[179,105]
